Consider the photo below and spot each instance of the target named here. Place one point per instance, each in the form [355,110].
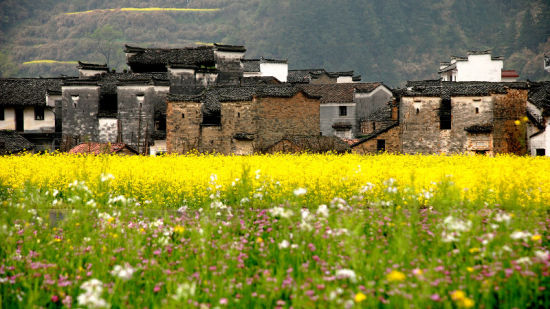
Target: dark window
[238,115]
[160,124]
[541,152]
[343,110]
[477,110]
[182,115]
[481,152]
[2,113]
[39,113]
[108,105]
[212,119]
[417,111]
[445,115]
[381,145]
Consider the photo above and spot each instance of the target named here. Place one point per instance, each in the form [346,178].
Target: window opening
[343,110]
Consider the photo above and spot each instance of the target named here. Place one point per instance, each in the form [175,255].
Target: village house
[463,117]
[266,67]
[348,108]
[538,110]
[240,119]
[477,66]
[31,107]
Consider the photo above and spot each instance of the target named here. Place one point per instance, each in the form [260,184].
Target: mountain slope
[391,41]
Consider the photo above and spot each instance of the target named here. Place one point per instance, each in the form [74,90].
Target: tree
[106,38]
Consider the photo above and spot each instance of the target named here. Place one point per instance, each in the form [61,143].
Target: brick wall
[80,119]
[183,121]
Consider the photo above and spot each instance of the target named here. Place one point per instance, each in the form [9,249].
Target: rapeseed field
[281,231]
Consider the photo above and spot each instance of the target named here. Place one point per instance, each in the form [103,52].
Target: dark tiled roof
[302,76]
[259,80]
[376,133]
[98,148]
[92,66]
[356,78]
[11,142]
[230,48]
[480,128]
[449,89]
[267,60]
[338,93]
[27,91]
[202,55]
[342,125]
[539,95]
[251,65]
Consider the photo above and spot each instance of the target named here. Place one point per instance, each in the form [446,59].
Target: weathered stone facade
[80,107]
[464,117]
[246,126]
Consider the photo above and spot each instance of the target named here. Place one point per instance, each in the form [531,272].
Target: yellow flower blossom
[536,237]
[474,250]
[396,276]
[259,240]
[470,269]
[359,297]
[178,229]
[458,295]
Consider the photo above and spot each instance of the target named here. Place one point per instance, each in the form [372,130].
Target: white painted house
[265,67]
[477,66]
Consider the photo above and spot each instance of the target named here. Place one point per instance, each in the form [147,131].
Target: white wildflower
[503,217]
[258,195]
[322,210]
[257,172]
[339,203]
[184,291]
[218,205]
[284,244]
[542,255]
[367,187]
[454,224]
[520,235]
[106,177]
[300,191]
[244,200]
[92,295]
[125,273]
[346,274]
[524,260]
[281,212]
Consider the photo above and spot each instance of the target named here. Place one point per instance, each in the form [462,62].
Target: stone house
[463,117]
[31,107]
[538,111]
[239,120]
[347,107]
[477,66]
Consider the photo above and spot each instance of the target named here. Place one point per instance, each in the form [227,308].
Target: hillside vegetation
[391,41]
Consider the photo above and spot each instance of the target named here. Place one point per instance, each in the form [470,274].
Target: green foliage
[391,41]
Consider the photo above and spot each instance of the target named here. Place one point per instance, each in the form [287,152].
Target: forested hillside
[391,41]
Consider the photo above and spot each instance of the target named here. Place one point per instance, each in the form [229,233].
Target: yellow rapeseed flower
[359,297]
[466,303]
[178,229]
[470,269]
[458,295]
[474,250]
[536,237]
[395,276]
[259,240]
[517,122]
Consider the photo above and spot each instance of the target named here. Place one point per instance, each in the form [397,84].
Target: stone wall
[183,121]
[420,122]
[264,121]
[280,117]
[139,119]
[80,117]
[391,138]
